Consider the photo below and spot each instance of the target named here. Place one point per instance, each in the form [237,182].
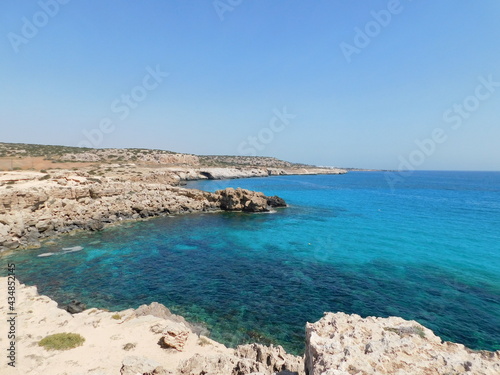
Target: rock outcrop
[247,359]
[341,344]
[75,307]
[242,200]
[36,209]
[175,335]
[276,201]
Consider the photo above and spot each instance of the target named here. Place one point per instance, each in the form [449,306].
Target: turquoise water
[429,251]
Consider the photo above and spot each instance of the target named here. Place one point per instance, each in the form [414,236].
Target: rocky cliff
[33,209]
[151,340]
[341,344]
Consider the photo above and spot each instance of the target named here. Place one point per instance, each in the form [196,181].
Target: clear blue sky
[62,70]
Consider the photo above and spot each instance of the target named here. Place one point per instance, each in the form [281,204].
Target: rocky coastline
[151,340]
[109,186]
[35,208]
[39,205]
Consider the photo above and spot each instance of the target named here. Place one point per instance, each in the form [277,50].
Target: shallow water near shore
[428,250]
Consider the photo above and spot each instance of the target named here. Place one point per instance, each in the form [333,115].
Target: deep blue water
[428,250]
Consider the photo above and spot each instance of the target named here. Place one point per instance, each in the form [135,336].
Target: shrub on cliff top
[62,341]
[403,331]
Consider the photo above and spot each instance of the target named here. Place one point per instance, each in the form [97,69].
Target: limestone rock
[133,365]
[252,359]
[242,200]
[274,357]
[341,344]
[220,365]
[160,311]
[175,335]
[154,309]
[73,200]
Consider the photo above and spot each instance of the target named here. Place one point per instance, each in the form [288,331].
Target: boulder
[95,225]
[75,307]
[175,335]
[276,201]
[242,200]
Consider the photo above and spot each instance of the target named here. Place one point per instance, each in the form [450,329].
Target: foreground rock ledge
[341,344]
[151,340]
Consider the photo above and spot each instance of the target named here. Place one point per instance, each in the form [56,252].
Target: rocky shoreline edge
[36,206]
[151,340]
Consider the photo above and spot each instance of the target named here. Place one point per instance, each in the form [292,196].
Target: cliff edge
[151,340]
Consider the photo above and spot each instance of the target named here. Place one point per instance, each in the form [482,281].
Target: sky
[396,84]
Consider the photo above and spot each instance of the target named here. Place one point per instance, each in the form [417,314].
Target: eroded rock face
[274,357]
[253,359]
[154,309]
[341,344]
[65,203]
[242,200]
[175,335]
[160,311]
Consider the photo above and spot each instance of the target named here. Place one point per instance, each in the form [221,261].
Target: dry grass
[62,341]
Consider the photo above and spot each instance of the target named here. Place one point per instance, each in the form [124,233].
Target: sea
[425,248]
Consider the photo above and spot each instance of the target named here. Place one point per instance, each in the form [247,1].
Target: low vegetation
[65,154]
[62,341]
[403,331]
